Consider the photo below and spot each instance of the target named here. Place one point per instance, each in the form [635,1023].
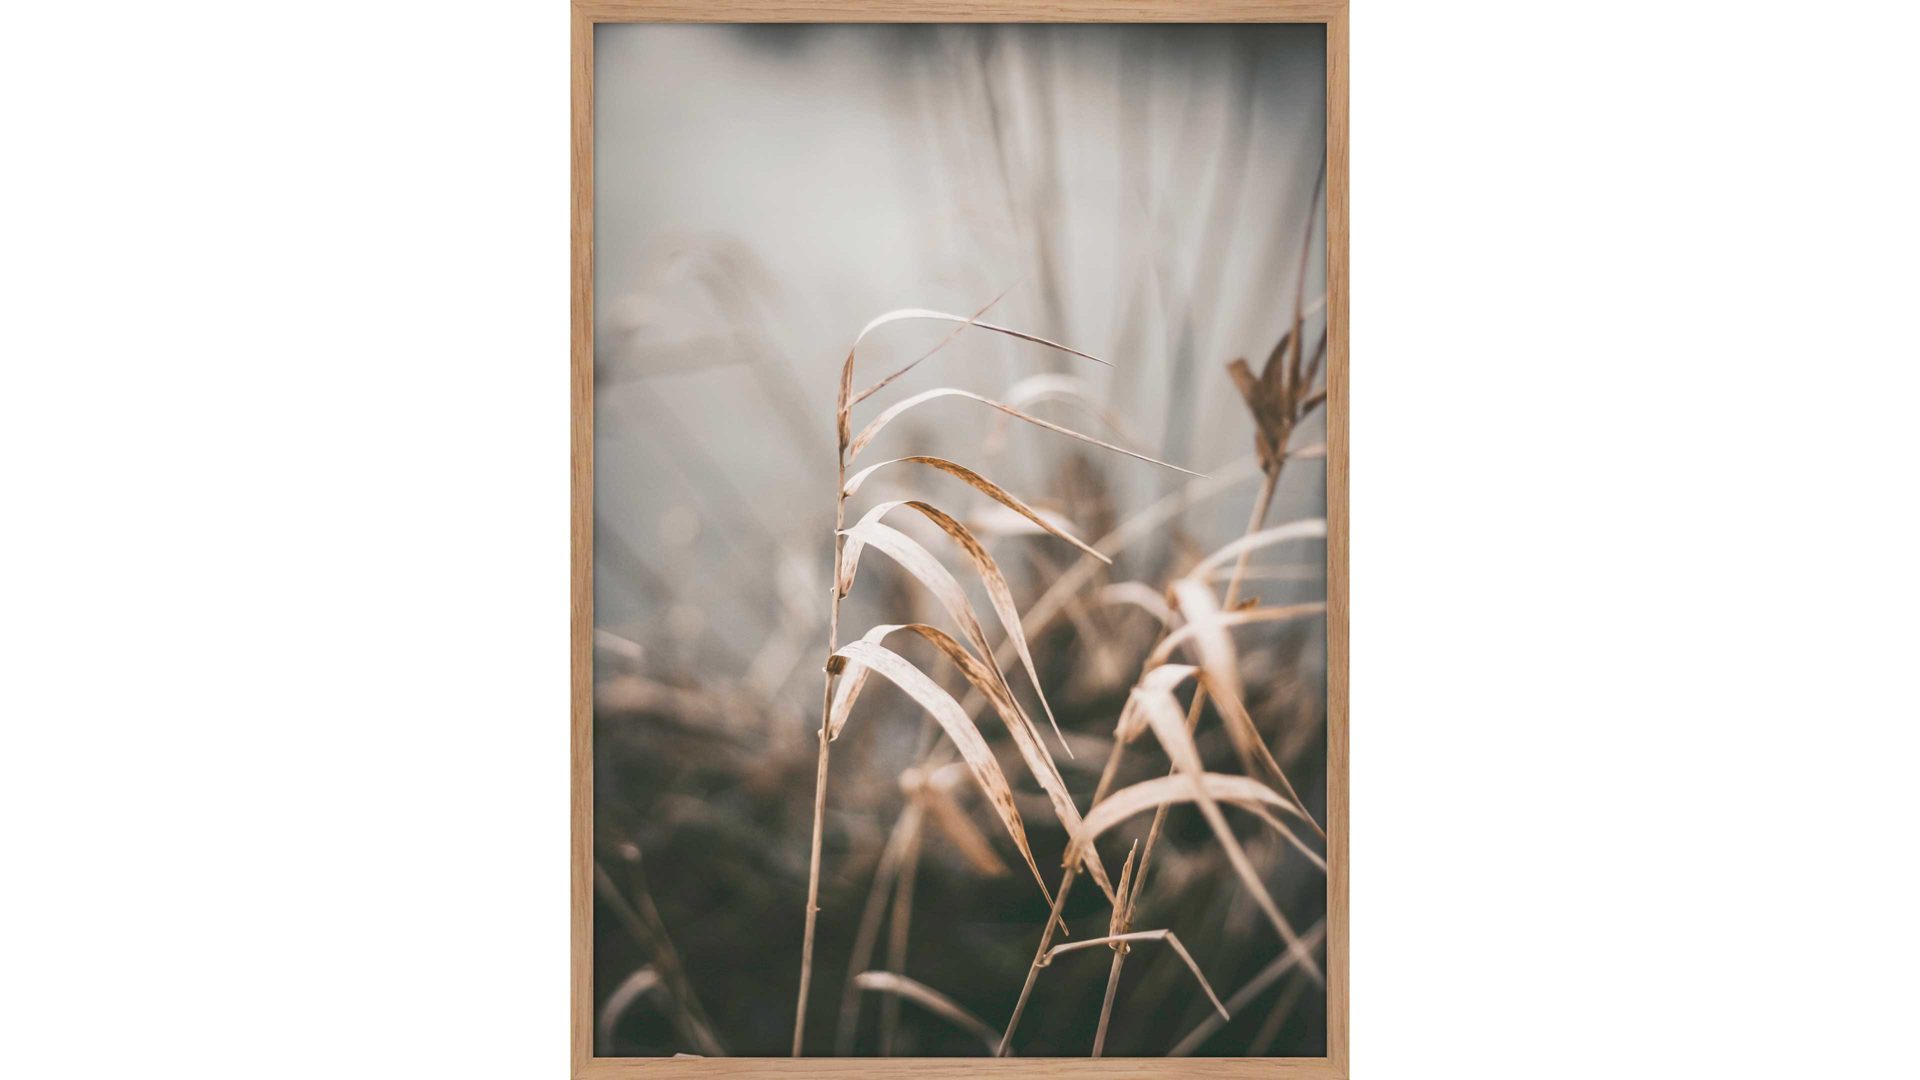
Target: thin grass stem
[1039,956]
[820,776]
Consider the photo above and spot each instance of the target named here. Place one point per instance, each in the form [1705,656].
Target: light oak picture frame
[586,15]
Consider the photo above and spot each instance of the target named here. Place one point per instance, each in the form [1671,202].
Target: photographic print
[953,636]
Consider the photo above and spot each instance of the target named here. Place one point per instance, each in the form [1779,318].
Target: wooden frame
[585,15]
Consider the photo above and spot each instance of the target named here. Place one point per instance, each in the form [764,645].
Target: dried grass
[932,1000]
[983,668]
[938,819]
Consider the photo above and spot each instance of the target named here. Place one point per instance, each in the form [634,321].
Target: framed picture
[959,583]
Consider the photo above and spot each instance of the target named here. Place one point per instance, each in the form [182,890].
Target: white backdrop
[283,599]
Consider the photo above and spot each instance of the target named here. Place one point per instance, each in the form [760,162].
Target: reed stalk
[820,775]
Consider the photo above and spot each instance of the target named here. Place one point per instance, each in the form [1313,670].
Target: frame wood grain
[585,15]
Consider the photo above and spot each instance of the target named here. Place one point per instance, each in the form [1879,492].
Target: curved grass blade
[847,398]
[1305,529]
[642,920]
[1230,619]
[999,593]
[983,485]
[1032,751]
[1145,935]
[928,998]
[1252,749]
[1144,597]
[973,320]
[1242,791]
[920,563]
[1165,679]
[1220,665]
[1212,645]
[874,428]
[1241,997]
[973,748]
[1168,721]
[630,990]
[965,321]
